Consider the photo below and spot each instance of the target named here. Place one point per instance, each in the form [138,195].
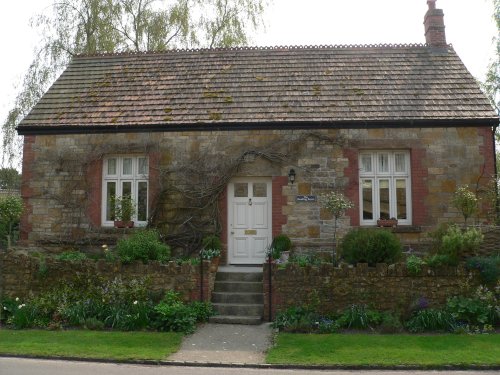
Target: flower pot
[388,223]
[124,224]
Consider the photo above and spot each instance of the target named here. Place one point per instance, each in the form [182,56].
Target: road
[16,366]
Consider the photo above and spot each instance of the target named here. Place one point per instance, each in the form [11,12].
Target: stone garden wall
[382,287]
[22,275]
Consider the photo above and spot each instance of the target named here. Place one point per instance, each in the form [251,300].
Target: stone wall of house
[62,177]
[386,288]
[22,275]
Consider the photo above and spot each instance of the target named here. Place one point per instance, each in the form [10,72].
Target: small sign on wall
[305,198]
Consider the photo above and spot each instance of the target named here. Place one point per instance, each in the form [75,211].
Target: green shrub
[471,311]
[143,245]
[414,265]
[465,201]
[488,267]
[359,317]
[305,260]
[72,256]
[440,260]
[390,324]
[451,243]
[431,320]
[171,314]
[295,319]
[370,246]
[11,209]
[212,242]
[279,244]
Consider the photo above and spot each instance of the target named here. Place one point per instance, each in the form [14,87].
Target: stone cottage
[243,141]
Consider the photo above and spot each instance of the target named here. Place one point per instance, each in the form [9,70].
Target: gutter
[270,125]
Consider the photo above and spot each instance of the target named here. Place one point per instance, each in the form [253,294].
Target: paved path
[226,343]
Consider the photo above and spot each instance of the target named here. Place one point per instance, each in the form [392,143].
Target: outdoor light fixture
[291,176]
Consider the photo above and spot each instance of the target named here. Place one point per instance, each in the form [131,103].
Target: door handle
[232,232]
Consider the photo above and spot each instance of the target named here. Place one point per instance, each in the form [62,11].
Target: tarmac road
[19,366]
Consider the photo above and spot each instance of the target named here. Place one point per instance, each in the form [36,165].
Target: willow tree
[492,83]
[73,27]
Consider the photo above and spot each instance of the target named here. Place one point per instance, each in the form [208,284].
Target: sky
[469,27]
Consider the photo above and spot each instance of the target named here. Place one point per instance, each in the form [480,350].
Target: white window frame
[376,176]
[119,178]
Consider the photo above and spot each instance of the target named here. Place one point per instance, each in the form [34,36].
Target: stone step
[233,319]
[239,309]
[227,297]
[239,276]
[238,286]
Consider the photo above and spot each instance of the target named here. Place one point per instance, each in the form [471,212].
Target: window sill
[399,228]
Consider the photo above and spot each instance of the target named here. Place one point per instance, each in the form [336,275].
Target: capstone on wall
[62,177]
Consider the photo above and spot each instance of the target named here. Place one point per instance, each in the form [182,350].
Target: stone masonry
[62,176]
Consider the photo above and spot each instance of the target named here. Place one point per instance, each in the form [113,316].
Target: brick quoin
[26,191]
[94,176]
[279,201]
[224,224]
[419,186]
[351,172]
[154,180]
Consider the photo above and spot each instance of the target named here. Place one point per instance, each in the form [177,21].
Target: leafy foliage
[370,246]
[279,244]
[360,317]
[143,245]
[11,209]
[431,320]
[489,268]
[414,265]
[72,256]
[465,201]
[10,179]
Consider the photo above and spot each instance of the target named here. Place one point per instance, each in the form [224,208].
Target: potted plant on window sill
[124,210]
[387,223]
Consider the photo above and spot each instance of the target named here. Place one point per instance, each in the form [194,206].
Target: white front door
[250,220]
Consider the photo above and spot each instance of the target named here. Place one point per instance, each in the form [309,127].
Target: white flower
[135,302]
[5,308]
[20,307]
[17,299]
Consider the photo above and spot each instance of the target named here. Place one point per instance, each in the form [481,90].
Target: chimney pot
[432,4]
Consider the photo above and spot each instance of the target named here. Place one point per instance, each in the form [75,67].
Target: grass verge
[385,350]
[90,344]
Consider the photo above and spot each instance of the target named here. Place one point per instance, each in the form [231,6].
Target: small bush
[488,267]
[280,243]
[451,243]
[414,265]
[171,314]
[143,245]
[212,242]
[390,324]
[359,317]
[441,260]
[370,246]
[471,311]
[431,320]
[295,319]
[305,260]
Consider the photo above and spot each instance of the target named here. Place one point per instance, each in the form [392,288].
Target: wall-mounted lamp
[291,176]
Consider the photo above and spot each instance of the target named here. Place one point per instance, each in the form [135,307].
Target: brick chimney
[434,26]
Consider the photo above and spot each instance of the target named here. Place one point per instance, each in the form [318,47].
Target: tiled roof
[266,86]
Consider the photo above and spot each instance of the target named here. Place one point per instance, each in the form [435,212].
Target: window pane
[384,199]
[126,188]
[241,190]
[366,163]
[260,189]
[367,200]
[143,166]
[400,162]
[111,166]
[127,166]
[142,201]
[401,199]
[383,163]
[110,200]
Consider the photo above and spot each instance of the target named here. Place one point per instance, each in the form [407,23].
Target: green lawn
[90,344]
[388,350]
